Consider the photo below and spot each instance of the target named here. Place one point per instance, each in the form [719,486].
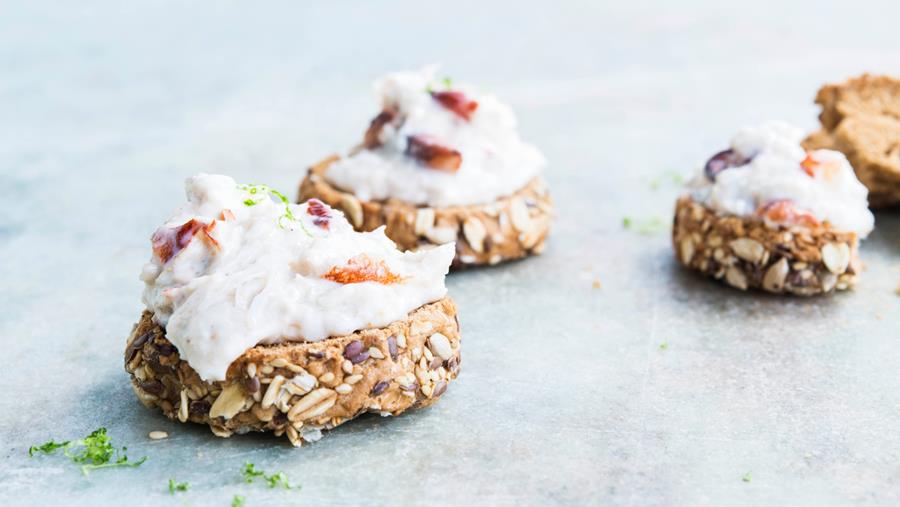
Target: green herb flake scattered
[270,193]
[747,477]
[664,346]
[93,452]
[46,448]
[278,479]
[669,177]
[646,227]
[251,473]
[237,501]
[177,486]
[446,81]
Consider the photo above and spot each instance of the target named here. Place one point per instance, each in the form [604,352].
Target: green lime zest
[260,192]
[177,486]
[647,227]
[251,473]
[92,452]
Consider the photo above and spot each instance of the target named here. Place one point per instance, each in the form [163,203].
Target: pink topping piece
[457,102]
[316,208]
[432,154]
[168,242]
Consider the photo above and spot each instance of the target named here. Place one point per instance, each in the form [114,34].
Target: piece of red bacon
[457,102]
[168,242]
[433,154]
[316,209]
[371,140]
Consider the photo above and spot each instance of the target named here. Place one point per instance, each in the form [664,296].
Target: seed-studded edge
[747,253]
[302,388]
[510,228]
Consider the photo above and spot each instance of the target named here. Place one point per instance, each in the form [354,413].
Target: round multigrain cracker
[510,228]
[302,388]
[746,252]
[861,118]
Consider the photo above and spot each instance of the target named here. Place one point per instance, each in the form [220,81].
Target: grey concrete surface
[565,397]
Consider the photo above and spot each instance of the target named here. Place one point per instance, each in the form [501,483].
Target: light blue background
[565,397]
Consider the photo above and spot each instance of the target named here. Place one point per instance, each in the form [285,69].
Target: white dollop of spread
[832,193]
[495,161]
[253,272]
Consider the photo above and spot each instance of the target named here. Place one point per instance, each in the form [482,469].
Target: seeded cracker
[299,389]
[745,252]
[510,228]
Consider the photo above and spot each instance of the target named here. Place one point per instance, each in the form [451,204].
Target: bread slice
[302,388]
[861,118]
[746,253]
[510,228]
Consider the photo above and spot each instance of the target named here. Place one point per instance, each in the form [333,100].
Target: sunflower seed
[828,281]
[376,353]
[229,402]
[440,235]
[440,345]
[352,208]
[836,257]
[474,232]
[748,249]
[272,392]
[183,407]
[774,278]
[313,404]
[304,382]
[736,278]
[519,216]
[687,250]
[279,362]
[424,220]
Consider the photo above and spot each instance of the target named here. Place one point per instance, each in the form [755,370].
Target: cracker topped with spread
[257,307]
[441,162]
[765,213]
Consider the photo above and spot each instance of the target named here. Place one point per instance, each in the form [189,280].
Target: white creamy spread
[495,162]
[237,266]
[820,183]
